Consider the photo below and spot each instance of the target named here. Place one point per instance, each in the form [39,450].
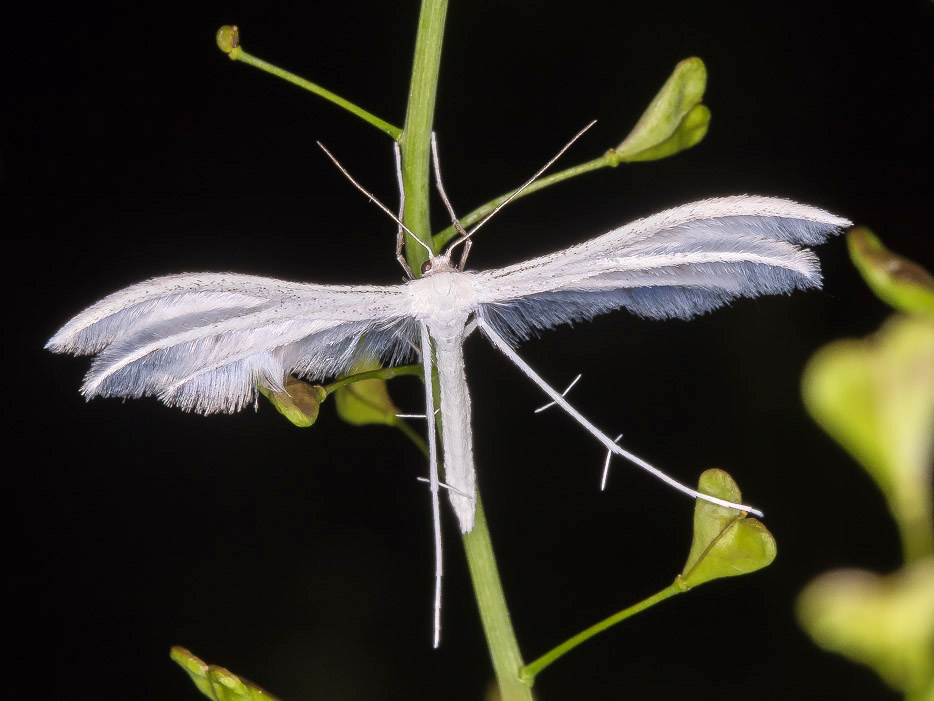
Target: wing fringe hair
[204,341]
[678,263]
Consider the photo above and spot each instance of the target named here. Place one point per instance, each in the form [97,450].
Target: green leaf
[674,120]
[876,398]
[895,280]
[726,543]
[300,401]
[367,401]
[886,623]
[216,682]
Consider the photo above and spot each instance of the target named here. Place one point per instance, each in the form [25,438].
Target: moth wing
[203,341]
[675,264]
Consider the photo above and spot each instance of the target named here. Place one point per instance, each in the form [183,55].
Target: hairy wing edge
[202,341]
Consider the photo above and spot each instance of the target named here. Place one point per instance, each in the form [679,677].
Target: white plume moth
[204,341]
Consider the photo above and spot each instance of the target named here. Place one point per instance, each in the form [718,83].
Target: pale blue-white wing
[677,263]
[203,341]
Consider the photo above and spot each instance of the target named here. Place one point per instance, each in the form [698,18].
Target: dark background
[302,559]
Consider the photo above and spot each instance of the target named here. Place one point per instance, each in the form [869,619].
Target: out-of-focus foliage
[894,279]
[875,396]
[884,622]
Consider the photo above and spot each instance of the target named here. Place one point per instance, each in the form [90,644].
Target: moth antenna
[375,201]
[447,202]
[465,238]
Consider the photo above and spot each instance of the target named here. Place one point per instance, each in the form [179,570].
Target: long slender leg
[433,473]
[400,235]
[597,433]
[606,465]
[445,485]
[563,394]
[447,203]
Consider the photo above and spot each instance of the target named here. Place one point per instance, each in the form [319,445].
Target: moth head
[437,263]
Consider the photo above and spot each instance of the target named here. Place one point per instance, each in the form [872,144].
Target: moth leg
[400,234]
[421,416]
[447,203]
[433,475]
[610,445]
[563,394]
[444,485]
[468,244]
[606,464]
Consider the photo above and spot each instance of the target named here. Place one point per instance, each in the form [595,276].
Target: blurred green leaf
[216,682]
[674,120]
[886,623]
[895,280]
[726,543]
[300,401]
[876,398]
[367,401]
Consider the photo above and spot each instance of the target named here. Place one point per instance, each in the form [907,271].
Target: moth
[204,341]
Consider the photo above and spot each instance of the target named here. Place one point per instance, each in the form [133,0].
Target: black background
[302,559]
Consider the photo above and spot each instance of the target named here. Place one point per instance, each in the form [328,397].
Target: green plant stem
[415,145]
[378,374]
[416,134]
[445,235]
[497,625]
[413,436]
[241,55]
[532,669]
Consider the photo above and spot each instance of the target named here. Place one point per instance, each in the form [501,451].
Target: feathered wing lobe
[203,341]
[677,263]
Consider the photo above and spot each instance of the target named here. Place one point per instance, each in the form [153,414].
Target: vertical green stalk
[415,145]
[416,133]
[497,625]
